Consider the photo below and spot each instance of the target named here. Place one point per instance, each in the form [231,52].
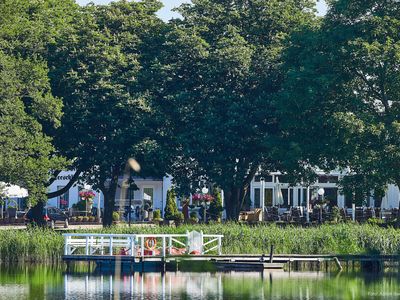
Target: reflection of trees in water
[42,283]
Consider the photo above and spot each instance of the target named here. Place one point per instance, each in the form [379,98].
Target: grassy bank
[47,245]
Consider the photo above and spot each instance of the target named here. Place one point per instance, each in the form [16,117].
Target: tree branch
[67,187]
[53,177]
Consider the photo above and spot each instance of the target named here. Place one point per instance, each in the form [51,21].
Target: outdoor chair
[345,215]
[360,216]
[369,213]
[378,212]
[297,215]
[271,214]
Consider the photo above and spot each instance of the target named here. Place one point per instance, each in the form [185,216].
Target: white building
[153,190]
[296,195]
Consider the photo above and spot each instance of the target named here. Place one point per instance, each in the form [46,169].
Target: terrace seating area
[318,215]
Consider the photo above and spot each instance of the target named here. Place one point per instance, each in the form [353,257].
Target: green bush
[115,216]
[171,210]
[216,208]
[179,218]
[80,206]
[157,214]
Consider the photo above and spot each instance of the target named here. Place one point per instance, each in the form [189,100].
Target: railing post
[169,245]
[66,241]
[187,241]
[133,245]
[142,246]
[111,245]
[102,245]
[219,246]
[202,242]
[87,246]
[163,246]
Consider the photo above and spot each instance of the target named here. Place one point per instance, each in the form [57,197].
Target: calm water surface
[53,283]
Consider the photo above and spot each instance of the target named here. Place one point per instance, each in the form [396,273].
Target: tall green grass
[38,245]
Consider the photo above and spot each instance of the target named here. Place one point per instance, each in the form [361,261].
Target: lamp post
[131,189]
[321,193]
[204,190]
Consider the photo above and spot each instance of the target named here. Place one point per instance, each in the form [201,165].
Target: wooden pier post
[271,254]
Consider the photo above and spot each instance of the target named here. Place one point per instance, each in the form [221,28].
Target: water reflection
[50,283]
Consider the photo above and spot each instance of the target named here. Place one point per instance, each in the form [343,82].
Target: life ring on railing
[150,243]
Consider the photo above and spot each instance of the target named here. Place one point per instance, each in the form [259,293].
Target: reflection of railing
[141,244]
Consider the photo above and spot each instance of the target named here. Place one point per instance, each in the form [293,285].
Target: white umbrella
[385,202]
[146,197]
[278,190]
[14,191]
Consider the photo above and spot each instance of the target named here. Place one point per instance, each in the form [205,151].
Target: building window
[257,198]
[268,197]
[148,197]
[63,200]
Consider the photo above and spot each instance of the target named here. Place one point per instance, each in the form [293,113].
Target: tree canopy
[220,69]
[341,97]
[107,115]
[28,109]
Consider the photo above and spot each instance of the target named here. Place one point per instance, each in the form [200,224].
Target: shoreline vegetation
[44,245]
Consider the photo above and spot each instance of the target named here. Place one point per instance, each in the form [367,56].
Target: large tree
[341,100]
[28,110]
[107,115]
[220,68]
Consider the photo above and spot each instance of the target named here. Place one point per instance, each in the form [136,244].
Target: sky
[166,14]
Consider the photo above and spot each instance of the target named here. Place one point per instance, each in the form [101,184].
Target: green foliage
[216,208]
[97,68]
[29,112]
[171,210]
[115,216]
[340,108]
[157,215]
[218,74]
[80,205]
[344,238]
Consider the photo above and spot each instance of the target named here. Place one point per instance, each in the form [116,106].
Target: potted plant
[193,217]
[216,209]
[115,217]
[88,197]
[171,210]
[157,217]
[179,218]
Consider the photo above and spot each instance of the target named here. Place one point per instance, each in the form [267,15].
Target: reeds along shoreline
[45,245]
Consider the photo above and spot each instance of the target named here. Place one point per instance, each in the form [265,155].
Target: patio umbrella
[14,191]
[385,202]
[279,196]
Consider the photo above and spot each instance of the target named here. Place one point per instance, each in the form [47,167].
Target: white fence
[142,244]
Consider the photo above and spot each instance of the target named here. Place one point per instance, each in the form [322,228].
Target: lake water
[53,283]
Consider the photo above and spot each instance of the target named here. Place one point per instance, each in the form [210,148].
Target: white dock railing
[140,245]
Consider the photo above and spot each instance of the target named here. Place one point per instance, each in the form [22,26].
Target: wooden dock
[143,252]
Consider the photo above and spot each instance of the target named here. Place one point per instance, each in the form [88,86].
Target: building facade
[151,191]
[266,189]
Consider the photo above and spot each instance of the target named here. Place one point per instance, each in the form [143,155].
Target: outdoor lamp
[321,192]
[204,190]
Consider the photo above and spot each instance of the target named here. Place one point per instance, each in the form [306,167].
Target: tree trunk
[109,197]
[37,214]
[398,209]
[232,203]
[109,203]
